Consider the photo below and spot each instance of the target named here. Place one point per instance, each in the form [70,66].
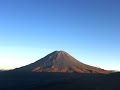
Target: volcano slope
[60,61]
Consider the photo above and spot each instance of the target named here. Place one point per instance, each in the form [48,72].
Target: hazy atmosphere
[89,30]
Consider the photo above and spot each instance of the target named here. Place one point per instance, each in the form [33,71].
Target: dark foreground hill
[12,80]
[60,61]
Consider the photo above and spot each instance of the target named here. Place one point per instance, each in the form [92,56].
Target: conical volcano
[60,61]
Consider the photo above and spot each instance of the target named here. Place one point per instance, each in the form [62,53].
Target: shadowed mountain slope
[60,61]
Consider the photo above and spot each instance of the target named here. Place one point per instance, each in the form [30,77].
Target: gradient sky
[87,29]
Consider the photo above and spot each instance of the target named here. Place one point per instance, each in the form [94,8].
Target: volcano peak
[60,52]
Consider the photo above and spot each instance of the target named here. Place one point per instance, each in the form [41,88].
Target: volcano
[60,61]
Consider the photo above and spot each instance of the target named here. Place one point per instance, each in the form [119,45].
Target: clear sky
[87,29]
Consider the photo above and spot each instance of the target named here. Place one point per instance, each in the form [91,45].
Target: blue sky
[87,29]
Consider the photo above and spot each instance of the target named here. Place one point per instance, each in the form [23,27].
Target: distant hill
[2,70]
[60,61]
